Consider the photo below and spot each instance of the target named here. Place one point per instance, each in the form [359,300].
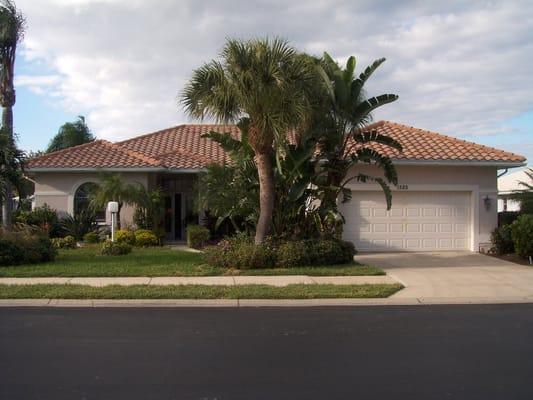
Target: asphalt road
[419,352]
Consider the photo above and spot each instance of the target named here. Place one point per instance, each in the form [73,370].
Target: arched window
[82,200]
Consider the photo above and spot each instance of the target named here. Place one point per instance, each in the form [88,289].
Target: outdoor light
[112,207]
[487,201]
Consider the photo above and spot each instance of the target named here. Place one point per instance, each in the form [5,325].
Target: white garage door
[417,221]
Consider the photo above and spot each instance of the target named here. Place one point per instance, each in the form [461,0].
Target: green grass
[159,262]
[196,292]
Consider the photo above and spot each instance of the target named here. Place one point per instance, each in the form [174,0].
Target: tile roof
[182,147]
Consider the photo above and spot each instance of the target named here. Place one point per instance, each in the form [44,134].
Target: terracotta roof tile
[182,147]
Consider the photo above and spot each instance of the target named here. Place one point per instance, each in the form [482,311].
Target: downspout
[503,173]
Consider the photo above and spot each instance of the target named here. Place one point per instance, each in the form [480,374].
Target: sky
[462,68]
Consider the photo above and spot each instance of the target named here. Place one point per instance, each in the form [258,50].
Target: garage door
[417,221]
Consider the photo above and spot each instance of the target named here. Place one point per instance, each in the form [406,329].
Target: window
[82,199]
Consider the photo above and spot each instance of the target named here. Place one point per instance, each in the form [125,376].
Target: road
[417,352]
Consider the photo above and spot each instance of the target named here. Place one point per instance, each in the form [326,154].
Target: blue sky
[122,63]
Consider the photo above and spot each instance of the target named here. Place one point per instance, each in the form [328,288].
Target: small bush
[110,248]
[507,217]
[43,217]
[125,236]
[522,234]
[197,236]
[292,254]
[25,247]
[91,237]
[68,242]
[145,238]
[502,241]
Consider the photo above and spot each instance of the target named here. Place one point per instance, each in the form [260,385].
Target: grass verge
[196,292]
[159,261]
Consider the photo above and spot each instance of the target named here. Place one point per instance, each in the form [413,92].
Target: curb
[227,303]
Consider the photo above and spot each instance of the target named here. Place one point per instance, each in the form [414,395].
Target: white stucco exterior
[507,184]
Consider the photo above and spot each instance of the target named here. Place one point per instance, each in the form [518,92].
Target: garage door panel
[417,221]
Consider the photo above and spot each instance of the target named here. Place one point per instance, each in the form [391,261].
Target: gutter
[499,164]
[117,169]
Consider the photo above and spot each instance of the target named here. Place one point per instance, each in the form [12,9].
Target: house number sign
[403,187]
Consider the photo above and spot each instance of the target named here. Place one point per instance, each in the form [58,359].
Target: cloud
[459,68]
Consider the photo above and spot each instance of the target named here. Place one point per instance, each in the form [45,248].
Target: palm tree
[112,188]
[11,166]
[71,134]
[345,139]
[265,82]
[12,24]
[524,196]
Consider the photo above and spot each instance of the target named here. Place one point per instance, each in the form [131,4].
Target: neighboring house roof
[183,148]
[511,182]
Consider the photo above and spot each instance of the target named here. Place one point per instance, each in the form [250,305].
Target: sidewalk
[278,280]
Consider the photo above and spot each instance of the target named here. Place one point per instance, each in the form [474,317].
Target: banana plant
[346,142]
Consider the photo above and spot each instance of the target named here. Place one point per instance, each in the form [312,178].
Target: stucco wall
[480,181]
[58,189]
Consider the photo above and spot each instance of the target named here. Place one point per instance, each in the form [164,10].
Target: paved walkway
[279,280]
[454,275]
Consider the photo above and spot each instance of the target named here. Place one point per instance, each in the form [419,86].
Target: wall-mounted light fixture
[487,202]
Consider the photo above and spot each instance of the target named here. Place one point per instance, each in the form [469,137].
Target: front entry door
[174,217]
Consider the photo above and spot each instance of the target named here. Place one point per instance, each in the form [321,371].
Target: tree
[71,134]
[346,141]
[12,24]
[11,166]
[524,196]
[265,83]
[112,188]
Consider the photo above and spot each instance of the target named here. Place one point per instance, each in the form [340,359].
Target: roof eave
[473,163]
[112,169]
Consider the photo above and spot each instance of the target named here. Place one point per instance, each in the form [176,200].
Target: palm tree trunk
[7,206]
[265,169]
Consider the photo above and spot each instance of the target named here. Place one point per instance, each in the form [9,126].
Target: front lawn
[196,292]
[158,261]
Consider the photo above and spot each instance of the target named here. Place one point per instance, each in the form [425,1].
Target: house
[446,197]
[508,183]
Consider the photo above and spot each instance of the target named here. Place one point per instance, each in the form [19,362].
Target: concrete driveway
[454,275]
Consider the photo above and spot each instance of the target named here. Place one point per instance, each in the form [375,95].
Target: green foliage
[522,234]
[507,217]
[11,165]
[68,242]
[524,195]
[71,134]
[149,209]
[110,248]
[125,236]
[145,238]
[25,246]
[79,224]
[45,218]
[502,241]
[241,253]
[197,236]
[91,237]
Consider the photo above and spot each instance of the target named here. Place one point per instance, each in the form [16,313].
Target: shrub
[522,234]
[145,238]
[25,247]
[197,236]
[43,217]
[68,242]
[91,237]
[292,254]
[502,241]
[110,248]
[507,217]
[240,252]
[125,236]
[79,224]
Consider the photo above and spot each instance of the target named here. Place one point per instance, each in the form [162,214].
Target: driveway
[454,275]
